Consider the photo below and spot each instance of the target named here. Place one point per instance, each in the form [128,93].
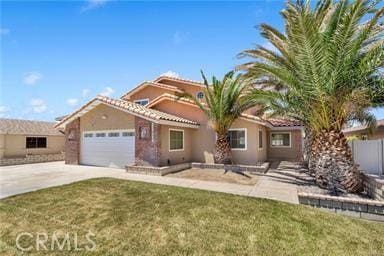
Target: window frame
[169,139]
[197,95]
[262,140]
[290,140]
[245,137]
[36,144]
[141,100]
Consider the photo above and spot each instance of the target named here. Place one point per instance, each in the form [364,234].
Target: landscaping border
[374,186]
[29,159]
[161,171]
[359,208]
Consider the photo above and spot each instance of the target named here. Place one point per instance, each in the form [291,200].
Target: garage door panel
[108,151]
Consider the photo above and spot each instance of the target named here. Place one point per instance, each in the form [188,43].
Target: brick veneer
[147,150]
[72,142]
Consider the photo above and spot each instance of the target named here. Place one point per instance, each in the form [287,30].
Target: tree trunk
[334,166]
[222,150]
[308,158]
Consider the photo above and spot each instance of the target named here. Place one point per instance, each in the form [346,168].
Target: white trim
[262,139]
[246,139]
[169,139]
[290,140]
[140,100]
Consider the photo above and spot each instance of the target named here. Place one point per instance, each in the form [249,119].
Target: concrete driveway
[17,179]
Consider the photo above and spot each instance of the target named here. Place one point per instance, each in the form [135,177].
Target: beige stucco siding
[294,152]
[2,145]
[14,145]
[203,138]
[252,154]
[148,92]
[115,119]
[179,156]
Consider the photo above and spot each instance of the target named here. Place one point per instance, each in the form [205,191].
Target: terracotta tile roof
[130,107]
[363,127]
[283,122]
[150,83]
[28,127]
[179,79]
[167,96]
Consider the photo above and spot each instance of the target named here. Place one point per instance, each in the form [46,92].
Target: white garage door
[112,148]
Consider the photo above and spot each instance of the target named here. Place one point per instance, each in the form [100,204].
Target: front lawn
[134,218]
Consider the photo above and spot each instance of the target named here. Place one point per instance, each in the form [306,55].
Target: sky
[57,55]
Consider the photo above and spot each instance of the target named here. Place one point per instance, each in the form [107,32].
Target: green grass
[134,218]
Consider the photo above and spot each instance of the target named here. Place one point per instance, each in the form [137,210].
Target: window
[142,102]
[176,140]
[36,142]
[100,134]
[280,139]
[200,95]
[113,134]
[127,134]
[88,135]
[237,139]
[260,139]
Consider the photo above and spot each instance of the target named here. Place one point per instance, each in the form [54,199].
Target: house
[363,132]
[25,141]
[151,126]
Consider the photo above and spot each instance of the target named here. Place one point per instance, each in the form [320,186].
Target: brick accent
[72,142]
[29,159]
[147,149]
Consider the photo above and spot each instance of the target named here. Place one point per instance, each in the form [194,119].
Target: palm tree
[325,70]
[224,101]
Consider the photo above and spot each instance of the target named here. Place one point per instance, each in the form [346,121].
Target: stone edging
[360,208]
[262,168]
[29,159]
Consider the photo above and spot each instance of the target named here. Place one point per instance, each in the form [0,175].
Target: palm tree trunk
[222,150]
[334,166]
[308,159]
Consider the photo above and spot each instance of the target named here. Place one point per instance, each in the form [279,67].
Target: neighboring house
[149,125]
[363,132]
[19,138]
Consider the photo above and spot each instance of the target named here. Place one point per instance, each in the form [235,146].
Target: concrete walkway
[278,183]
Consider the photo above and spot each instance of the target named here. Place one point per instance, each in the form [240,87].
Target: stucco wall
[203,138]
[115,119]
[15,145]
[293,153]
[2,145]
[175,157]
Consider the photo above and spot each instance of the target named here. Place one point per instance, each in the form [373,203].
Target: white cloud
[3,111]
[84,93]
[4,31]
[31,78]
[179,37]
[107,91]
[38,105]
[72,102]
[92,4]
[171,74]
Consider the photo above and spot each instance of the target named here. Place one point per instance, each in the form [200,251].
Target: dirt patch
[243,178]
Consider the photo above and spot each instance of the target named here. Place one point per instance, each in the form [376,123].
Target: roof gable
[131,108]
[149,83]
[161,80]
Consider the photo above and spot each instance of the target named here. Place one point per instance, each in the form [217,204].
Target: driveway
[17,179]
